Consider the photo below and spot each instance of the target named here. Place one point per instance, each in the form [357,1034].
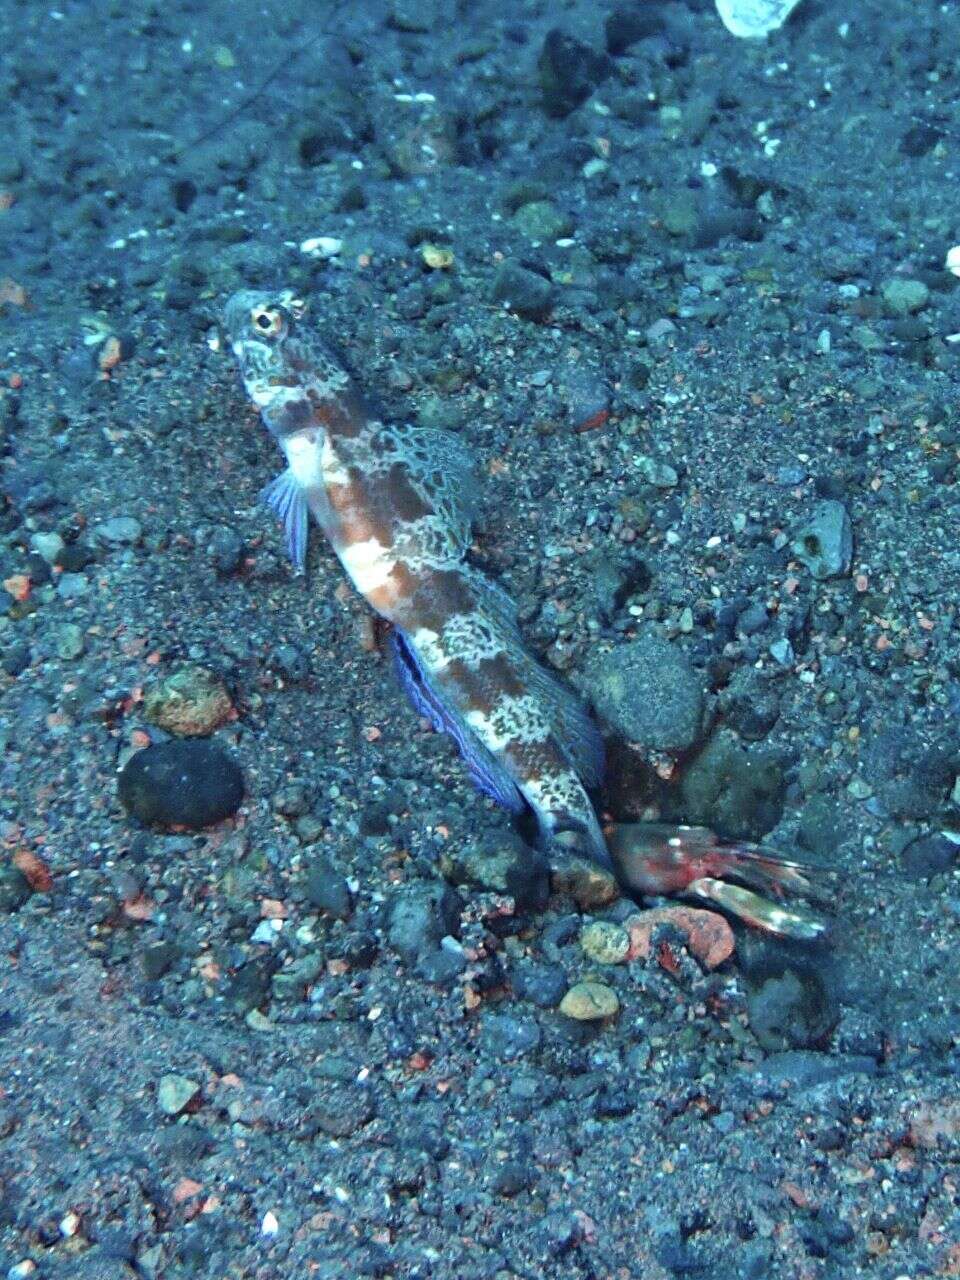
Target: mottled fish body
[395,505]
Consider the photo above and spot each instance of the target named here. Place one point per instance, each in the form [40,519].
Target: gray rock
[503,863]
[910,775]
[750,704]
[528,294]
[929,855]
[648,692]
[544,985]
[225,550]
[902,296]
[14,890]
[72,585]
[48,545]
[342,1109]
[175,1093]
[119,531]
[736,792]
[69,641]
[804,1069]
[420,917]
[825,544]
[327,889]
[569,72]
[505,1036]
[792,1009]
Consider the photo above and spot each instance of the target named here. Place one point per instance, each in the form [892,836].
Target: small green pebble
[605,942]
[905,296]
[69,641]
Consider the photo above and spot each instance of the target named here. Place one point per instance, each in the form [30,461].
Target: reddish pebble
[708,935]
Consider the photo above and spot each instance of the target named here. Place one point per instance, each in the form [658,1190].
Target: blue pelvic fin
[286,499]
[488,774]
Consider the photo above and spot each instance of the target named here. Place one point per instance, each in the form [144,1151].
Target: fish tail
[526,739]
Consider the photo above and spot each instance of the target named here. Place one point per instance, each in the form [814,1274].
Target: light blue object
[754,19]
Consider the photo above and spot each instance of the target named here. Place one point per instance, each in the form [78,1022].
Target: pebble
[70,586]
[542,984]
[659,331]
[542,220]
[930,855]
[267,932]
[120,531]
[327,890]
[47,545]
[322,247]
[791,1009]
[605,942]
[419,917]
[903,296]
[182,783]
[648,692]
[342,1109]
[14,890]
[225,550]
[591,886]
[175,1093]
[708,935]
[658,473]
[569,71]
[69,641]
[590,1002]
[506,1036]
[191,701]
[292,800]
[806,1068]
[825,544]
[525,292]
[501,863]
[16,659]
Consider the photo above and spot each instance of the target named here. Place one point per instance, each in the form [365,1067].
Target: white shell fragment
[754,19]
[952,263]
[321,246]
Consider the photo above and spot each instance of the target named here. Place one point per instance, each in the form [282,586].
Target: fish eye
[268,321]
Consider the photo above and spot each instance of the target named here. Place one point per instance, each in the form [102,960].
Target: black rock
[184,783]
[929,855]
[225,550]
[14,890]
[625,26]
[569,72]
[16,659]
[528,294]
[342,1110]
[327,890]
[542,984]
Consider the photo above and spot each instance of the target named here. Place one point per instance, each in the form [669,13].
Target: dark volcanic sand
[746,314]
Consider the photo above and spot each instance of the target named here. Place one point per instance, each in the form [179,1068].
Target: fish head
[261,328]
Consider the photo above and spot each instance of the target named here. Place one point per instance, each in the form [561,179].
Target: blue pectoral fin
[286,499]
[488,774]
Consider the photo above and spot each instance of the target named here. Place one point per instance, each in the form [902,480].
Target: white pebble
[321,246]
[69,1224]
